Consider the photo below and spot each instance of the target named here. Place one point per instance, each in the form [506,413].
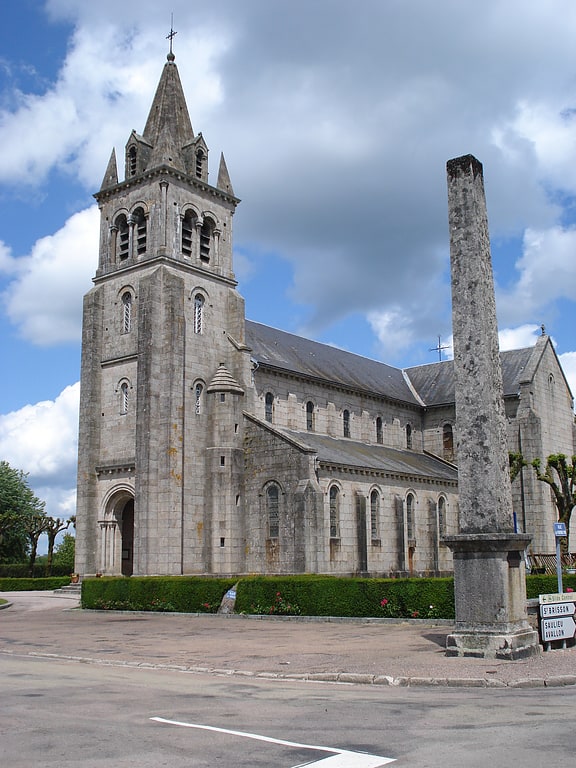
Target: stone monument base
[491,645]
[490,597]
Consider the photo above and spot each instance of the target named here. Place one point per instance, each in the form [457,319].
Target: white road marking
[340,758]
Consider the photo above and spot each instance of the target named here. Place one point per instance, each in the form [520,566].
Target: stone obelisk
[489,576]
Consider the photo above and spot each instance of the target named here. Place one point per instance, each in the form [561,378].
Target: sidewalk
[359,651]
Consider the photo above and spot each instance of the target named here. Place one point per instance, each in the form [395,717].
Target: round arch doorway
[127,534]
[117,534]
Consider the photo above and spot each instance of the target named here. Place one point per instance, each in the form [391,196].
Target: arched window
[188,228]
[132,156]
[447,442]
[334,512]
[126,312]
[441,516]
[310,416]
[140,230]
[269,406]
[375,515]
[122,238]
[408,436]
[346,422]
[273,510]
[198,313]
[124,398]
[198,390]
[410,521]
[200,160]
[379,433]
[206,240]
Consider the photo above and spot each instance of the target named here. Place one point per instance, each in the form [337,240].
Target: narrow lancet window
[334,512]
[346,422]
[272,503]
[126,312]
[310,416]
[269,407]
[198,313]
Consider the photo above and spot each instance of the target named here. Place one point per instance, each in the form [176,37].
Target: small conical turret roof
[223,381]
[169,109]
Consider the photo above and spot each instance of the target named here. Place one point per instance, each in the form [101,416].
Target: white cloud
[547,272]
[45,298]
[518,338]
[568,362]
[41,440]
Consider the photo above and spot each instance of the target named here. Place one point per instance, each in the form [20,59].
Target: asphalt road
[61,714]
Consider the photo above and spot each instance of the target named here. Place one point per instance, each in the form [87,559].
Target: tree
[517,462]
[54,526]
[64,552]
[560,475]
[35,526]
[17,505]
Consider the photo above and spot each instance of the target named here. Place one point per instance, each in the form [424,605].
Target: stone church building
[210,444]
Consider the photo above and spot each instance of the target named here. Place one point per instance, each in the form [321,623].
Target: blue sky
[336,120]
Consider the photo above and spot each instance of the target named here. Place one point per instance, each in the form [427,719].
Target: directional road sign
[558,609]
[563,628]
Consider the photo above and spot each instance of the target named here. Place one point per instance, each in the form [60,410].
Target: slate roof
[331,450]
[435,382]
[291,353]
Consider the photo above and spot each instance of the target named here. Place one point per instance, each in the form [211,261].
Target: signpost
[559,533]
[557,618]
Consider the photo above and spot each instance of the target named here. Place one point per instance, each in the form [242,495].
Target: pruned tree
[560,475]
[517,462]
[54,526]
[35,526]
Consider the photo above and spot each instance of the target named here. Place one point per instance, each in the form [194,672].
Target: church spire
[169,109]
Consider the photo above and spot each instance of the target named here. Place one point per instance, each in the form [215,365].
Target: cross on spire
[439,348]
[172,34]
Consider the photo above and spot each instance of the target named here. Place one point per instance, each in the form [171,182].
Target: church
[211,444]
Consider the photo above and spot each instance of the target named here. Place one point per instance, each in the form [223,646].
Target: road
[63,714]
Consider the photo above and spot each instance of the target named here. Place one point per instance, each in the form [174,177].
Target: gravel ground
[351,651]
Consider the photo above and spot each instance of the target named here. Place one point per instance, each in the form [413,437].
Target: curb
[338,678]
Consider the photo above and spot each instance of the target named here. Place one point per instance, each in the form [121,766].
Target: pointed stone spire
[166,152]
[224,182]
[111,175]
[169,109]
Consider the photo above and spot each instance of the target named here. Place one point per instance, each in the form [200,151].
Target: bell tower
[162,318]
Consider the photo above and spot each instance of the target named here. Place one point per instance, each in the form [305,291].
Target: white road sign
[558,609]
[563,628]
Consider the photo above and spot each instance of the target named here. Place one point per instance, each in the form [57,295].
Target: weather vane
[172,32]
[439,348]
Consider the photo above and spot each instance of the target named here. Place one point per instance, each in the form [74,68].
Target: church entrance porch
[116,551]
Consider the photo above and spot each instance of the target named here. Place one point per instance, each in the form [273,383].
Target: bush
[181,594]
[340,596]
[541,584]
[22,570]
[27,585]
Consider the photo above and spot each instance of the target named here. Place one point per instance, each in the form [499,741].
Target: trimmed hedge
[540,584]
[29,585]
[346,596]
[180,594]
[22,571]
[308,595]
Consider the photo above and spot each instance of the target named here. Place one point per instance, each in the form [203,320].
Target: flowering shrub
[280,607]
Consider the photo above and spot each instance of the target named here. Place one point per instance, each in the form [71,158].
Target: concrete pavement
[379,652]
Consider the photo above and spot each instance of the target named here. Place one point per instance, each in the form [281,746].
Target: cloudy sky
[336,120]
